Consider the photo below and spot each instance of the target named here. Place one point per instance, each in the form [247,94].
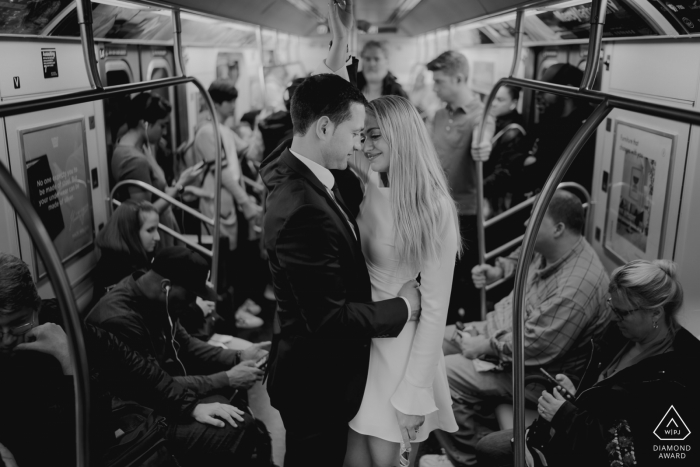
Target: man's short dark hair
[564,74]
[223,90]
[17,289]
[451,63]
[324,95]
[566,208]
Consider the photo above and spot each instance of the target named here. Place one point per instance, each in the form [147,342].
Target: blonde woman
[408,226]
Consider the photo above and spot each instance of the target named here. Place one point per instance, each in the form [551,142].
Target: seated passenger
[125,244]
[641,367]
[143,311]
[565,295]
[36,388]
[133,158]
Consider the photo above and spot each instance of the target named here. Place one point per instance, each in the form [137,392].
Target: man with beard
[560,118]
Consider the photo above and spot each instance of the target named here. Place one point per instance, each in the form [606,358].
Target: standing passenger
[452,130]
[375,79]
[133,160]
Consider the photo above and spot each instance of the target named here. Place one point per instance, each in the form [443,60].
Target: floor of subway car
[257,395]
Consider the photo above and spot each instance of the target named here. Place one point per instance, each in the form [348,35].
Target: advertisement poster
[640,171]
[56,164]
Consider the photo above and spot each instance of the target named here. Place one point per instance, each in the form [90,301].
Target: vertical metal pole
[177,44]
[87,40]
[479,166]
[595,40]
[518,43]
[261,69]
[538,212]
[217,205]
[69,311]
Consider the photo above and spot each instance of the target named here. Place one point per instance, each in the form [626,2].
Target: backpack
[140,437]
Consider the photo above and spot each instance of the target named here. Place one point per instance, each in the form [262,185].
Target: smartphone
[261,363]
[567,395]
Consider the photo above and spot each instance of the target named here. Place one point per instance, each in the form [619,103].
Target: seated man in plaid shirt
[566,308]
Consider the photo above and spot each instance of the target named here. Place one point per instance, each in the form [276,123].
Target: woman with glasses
[620,414]
[133,158]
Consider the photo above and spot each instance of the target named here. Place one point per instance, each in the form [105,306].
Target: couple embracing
[356,367]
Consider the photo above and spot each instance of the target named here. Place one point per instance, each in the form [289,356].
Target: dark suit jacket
[325,316]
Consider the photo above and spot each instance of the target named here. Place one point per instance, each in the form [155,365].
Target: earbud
[167,289]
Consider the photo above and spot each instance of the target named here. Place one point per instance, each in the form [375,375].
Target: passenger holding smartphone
[565,308]
[637,371]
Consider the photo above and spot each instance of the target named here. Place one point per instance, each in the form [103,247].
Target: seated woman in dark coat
[125,244]
[645,364]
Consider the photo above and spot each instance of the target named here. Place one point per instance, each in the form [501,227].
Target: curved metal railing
[69,310]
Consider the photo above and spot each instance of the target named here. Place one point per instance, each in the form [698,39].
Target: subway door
[118,64]
[644,188]
[157,63]
[55,156]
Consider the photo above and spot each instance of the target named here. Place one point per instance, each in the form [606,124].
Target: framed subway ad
[57,179]
[637,197]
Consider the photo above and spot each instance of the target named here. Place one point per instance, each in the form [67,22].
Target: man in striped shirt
[565,308]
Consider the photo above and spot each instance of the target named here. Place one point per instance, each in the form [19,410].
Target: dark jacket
[143,325]
[504,168]
[112,267]
[325,317]
[38,421]
[551,138]
[390,87]
[641,394]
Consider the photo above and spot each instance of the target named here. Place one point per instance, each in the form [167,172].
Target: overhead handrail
[176,235]
[177,44]
[595,39]
[8,109]
[160,194]
[87,41]
[519,33]
[69,311]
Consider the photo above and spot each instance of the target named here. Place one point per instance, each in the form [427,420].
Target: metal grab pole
[69,311]
[479,165]
[518,43]
[217,204]
[177,44]
[87,40]
[538,212]
[595,39]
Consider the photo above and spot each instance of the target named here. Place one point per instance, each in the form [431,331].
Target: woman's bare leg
[386,454]
[357,454]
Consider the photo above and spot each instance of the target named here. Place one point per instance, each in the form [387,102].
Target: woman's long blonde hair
[419,191]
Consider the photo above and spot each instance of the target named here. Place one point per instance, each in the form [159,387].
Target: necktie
[335,195]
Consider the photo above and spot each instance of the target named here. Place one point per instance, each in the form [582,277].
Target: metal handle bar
[87,41]
[177,235]
[88,95]
[69,310]
[163,195]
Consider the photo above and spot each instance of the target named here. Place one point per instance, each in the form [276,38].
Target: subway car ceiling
[457,23]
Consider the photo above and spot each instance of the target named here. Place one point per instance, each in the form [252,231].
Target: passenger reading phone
[565,296]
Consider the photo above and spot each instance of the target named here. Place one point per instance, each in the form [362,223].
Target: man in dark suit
[325,318]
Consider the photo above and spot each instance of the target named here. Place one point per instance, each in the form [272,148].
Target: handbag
[537,436]
[140,437]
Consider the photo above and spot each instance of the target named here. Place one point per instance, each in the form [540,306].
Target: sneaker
[245,320]
[251,307]
[435,460]
[269,293]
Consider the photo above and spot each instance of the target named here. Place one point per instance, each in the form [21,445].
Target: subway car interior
[161,302]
